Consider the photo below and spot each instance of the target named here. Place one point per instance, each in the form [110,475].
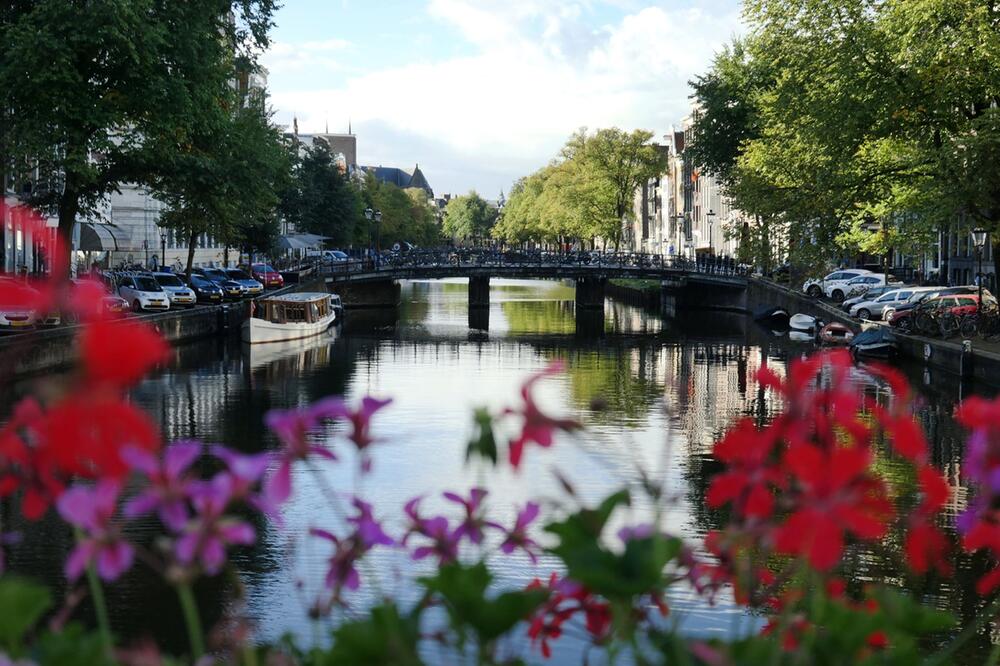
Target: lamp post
[378,230]
[979,238]
[369,214]
[710,215]
[163,251]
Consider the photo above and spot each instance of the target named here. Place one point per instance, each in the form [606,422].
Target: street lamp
[378,230]
[163,251]
[710,214]
[979,238]
[369,214]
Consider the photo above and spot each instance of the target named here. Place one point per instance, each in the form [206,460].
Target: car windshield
[264,268]
[237,274]
[147,284]
[199,281]
[169,281]
[214,273]
[338,254]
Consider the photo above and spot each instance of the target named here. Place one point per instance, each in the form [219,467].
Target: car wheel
[814,291]
[136,306]
[838,296]
[864,314]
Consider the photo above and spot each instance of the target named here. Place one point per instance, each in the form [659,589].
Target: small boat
[773,318]
[337,305]
[875,342]
[801,337]
[802,322]
[288,317]
[835,333]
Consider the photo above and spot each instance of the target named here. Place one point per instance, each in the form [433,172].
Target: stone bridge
[685,284]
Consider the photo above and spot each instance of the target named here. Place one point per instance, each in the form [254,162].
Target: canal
[652,394]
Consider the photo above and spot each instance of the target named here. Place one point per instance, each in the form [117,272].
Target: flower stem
[192,619]
[100,608]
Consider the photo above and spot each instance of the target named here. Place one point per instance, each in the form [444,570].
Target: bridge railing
[637,262]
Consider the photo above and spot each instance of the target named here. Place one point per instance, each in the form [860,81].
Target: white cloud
[284,57]
[540,69]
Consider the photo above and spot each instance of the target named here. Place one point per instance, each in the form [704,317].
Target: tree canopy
[468,217]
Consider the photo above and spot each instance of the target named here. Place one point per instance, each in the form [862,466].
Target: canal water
[653,395]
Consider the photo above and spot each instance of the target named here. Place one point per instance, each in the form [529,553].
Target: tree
[468,217]
[86,86]
[325,201]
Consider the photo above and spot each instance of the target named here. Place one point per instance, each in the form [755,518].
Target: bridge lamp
[710,215]
[979,240]
[369,214]
[378,230]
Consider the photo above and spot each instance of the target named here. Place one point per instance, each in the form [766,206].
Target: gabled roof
[418,180]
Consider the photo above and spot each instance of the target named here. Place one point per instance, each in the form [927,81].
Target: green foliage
[407,215]
[468,217]
[483,442]
[384,636]
[617,576]
[23,603]
[73,646]
[586,193]
[323,200]
[464,592]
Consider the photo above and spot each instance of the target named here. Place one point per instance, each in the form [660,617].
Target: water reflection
[652,393]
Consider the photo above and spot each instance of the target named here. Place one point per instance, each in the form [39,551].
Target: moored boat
[289,317]
[835,333]
[802,322]
[774,318]
[875,342]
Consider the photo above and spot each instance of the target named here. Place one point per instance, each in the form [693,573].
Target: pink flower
[245,472]
[473,524]
[91,509]
[293,427]
[538,427]
[205,538]
[444,543]
[169,482]
[517,537]
[360,420]
[367,534]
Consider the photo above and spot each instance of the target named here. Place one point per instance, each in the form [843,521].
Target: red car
[957,304]
[267,276]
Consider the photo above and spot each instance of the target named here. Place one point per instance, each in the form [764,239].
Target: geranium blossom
[517,536]
[472,524]
[169,482]
[537,426]
[207,535]
[245,472]
[444,544]
[751,476]
[92,509]
[566,599]
[119,353]
[359,420]
[293,428]
[367,534]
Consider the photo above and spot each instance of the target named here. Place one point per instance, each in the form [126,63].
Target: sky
[482,92]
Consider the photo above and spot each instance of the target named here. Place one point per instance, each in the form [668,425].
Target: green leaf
[72,647]
[22,604]
[483,442]
[383,637]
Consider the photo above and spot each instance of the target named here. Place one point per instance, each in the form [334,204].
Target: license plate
[20,323]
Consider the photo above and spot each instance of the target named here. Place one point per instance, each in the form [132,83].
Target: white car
[834,284]
[860,285]
[872,310]
[143,292]
[180,294]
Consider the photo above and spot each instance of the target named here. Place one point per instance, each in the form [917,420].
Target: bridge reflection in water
[650,391]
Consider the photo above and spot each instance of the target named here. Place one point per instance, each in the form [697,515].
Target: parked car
[179,293]
[267,276]
[869,295]
[927,293]
[143,292]
[204,289]
[230,288]
[328,256]
[833,285]
[16,313]
[250,286]
[860,285]
[957,304]
[874,308]
[110,305]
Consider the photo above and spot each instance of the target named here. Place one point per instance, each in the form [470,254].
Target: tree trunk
[61,260]
[192,241]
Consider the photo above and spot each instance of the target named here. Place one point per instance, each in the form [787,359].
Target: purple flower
[635,533]
[91,509]
[245,472]
[293,427]
[169,482]
[368,531]
[517,537]
[205,538]
[360,420]
[444,543]
[473,523]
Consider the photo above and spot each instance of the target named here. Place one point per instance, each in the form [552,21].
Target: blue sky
[481,92]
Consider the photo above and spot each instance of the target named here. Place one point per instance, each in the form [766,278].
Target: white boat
[802,322]
[288,317]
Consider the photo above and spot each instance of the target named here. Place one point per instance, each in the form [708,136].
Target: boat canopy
[301,308]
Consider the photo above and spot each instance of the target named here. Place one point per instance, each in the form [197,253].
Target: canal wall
[46,350]
[979,360]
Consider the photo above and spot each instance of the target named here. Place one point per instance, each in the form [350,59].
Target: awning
[95,237]
[301,241]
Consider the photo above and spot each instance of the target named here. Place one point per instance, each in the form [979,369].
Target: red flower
[538,426]
[927,548]
[836,496]
[567,599]
[119,354]
[749,477]
[878,640]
